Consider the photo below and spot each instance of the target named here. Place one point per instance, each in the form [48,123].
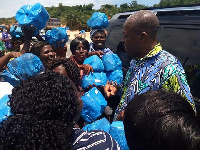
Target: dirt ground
[72,36]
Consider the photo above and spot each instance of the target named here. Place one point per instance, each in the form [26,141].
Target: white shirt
[5,88]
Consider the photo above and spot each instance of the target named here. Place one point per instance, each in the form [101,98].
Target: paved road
[68,54]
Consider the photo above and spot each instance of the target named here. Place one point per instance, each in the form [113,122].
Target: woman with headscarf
[98,22]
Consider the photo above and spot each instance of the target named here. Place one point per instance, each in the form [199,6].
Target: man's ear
[143,36]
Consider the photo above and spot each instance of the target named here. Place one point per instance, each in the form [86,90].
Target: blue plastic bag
[16,31]
[98,79]
[116,76]
[98,21]
[117,132]
[48,37]
[4,108]
[94,104]
[25,66]
[35,15]
[111,62]
[82,31]
[102,124]
[55,35]
[95,62]
[10,78]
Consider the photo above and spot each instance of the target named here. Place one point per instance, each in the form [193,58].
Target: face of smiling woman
[99,40]
[47,55]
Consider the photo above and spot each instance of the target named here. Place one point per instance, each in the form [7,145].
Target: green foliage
[76,16]
[169,3]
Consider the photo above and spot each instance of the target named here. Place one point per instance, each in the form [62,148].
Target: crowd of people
[154,101]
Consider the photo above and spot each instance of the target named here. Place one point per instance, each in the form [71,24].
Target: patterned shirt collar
[157,49]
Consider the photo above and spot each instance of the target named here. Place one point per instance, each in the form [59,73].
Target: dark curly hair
[21,132]
[161,120]
[71,68]
[48,96]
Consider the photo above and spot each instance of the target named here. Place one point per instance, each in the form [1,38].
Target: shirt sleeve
[174,79]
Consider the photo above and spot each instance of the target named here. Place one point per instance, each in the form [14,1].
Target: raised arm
[5,59]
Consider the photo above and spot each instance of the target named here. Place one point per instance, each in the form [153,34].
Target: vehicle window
[183,43]
[123,16]
[114,37]
[179,13]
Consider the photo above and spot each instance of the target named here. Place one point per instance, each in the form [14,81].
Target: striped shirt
[94,140]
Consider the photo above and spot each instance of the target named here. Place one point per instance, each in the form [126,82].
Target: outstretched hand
[14,54]
[110,89]
[5,59]
[120,116]
[98,53]
[87,68]
[94,85]
[28,32]
[60,50]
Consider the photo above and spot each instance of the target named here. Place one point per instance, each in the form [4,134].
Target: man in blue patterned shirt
[151,68]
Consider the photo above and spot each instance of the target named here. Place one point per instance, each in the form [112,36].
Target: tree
[124,6]
[76,16]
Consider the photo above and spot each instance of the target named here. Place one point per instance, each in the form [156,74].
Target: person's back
[161,120]
[94,139]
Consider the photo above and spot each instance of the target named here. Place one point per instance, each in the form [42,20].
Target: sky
[9,7]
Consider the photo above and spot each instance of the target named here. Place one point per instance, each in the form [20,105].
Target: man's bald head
[143,21]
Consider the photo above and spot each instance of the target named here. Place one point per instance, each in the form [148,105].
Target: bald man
[151,68]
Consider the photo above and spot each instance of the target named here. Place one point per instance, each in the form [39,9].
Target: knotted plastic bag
[4,108]
[116,76]
[111,62]
[55,35]
[98,21]
[117,132]
[94,104]
[35,15]
[102,124]
[97,78]
[10,78]
[16,31]
[48,37]
[25,66]
[95,62]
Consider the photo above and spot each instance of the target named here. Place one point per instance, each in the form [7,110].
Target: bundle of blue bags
[94,104]
[57,34]
[98,21]
[21,68]
[35,15]
[107,69]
